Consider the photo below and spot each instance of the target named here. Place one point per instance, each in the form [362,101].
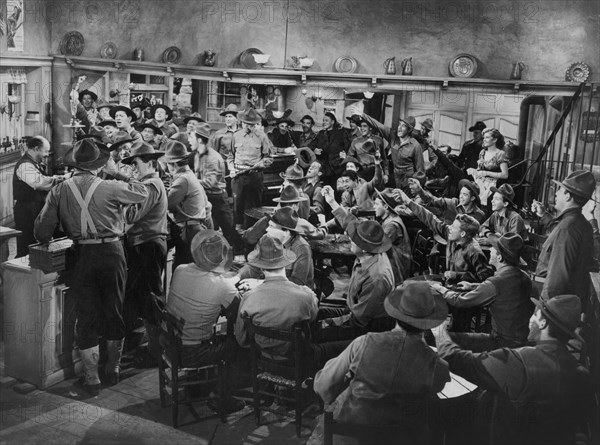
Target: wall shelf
[285,77]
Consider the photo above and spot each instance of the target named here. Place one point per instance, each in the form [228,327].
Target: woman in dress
[492,165]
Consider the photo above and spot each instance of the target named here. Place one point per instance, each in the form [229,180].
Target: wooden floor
[130,413]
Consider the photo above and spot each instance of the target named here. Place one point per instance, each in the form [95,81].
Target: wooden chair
[175,380]
[377,434]
[287,374]
[421,248]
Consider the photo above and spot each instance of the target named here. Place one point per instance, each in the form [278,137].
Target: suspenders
[86,218]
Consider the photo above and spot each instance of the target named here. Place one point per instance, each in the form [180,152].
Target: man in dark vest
[30,187]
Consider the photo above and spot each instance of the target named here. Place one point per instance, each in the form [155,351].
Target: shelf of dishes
[292,77]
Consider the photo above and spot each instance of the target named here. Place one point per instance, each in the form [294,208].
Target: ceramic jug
[138,54]
[517,70]
[209,57]
[390,66]
[406,65]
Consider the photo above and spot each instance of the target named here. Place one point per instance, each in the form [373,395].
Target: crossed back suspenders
[86,218]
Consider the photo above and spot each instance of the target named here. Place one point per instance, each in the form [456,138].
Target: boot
[114,349]
[91,382]
[153,332]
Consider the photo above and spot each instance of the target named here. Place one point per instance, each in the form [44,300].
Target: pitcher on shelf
[390,66]
[406,65]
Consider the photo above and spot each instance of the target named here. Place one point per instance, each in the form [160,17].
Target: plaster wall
[547,35]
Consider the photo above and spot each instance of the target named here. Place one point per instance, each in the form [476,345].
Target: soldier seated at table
[294,176]
[465,261]
[504,217]
[290,197]
[283,225]
[536,394]
[198,294]
[371,280]
[279,303]
[390,378]
[507,293]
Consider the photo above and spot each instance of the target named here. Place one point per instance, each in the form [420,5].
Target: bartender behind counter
[30,187]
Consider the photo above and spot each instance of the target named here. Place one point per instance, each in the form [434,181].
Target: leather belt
[106,240]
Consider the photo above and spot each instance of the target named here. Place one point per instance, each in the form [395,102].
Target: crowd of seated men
[379,187]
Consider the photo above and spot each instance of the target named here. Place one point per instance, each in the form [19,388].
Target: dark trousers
[145,266]
[247,193]
[98,288]
[222,216]
[25,214]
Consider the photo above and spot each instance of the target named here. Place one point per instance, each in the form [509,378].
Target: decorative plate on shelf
[345,64]
[247,58]
[72,44]
[578,72]
[171,55]
[108,50]
[463,65]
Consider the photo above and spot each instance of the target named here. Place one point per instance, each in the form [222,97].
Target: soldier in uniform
[90,212]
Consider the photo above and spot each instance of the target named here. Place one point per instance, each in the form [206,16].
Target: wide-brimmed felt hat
[285,120]
[93,95]
[113,112]
[250,117]
[202,130]
[142,104]
[142,150]
[211,251]
[505,190]
[581,183]
[510,245]
[410,121]
[421,177]
[290,195]
[96,132]
[101,103]
[270,254]
[563,310]
[87,154]
[120,138]
[471,186]
[356,118]
[194,117]
[427,123]
[387,197]
[353,160]
[230,109]
[294,171]
[151,127]
[164,107]
[417,304]
[175,151]
[110,122]
[369,236]
[369,146]
[305,156]
[286,217]
[478,126]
